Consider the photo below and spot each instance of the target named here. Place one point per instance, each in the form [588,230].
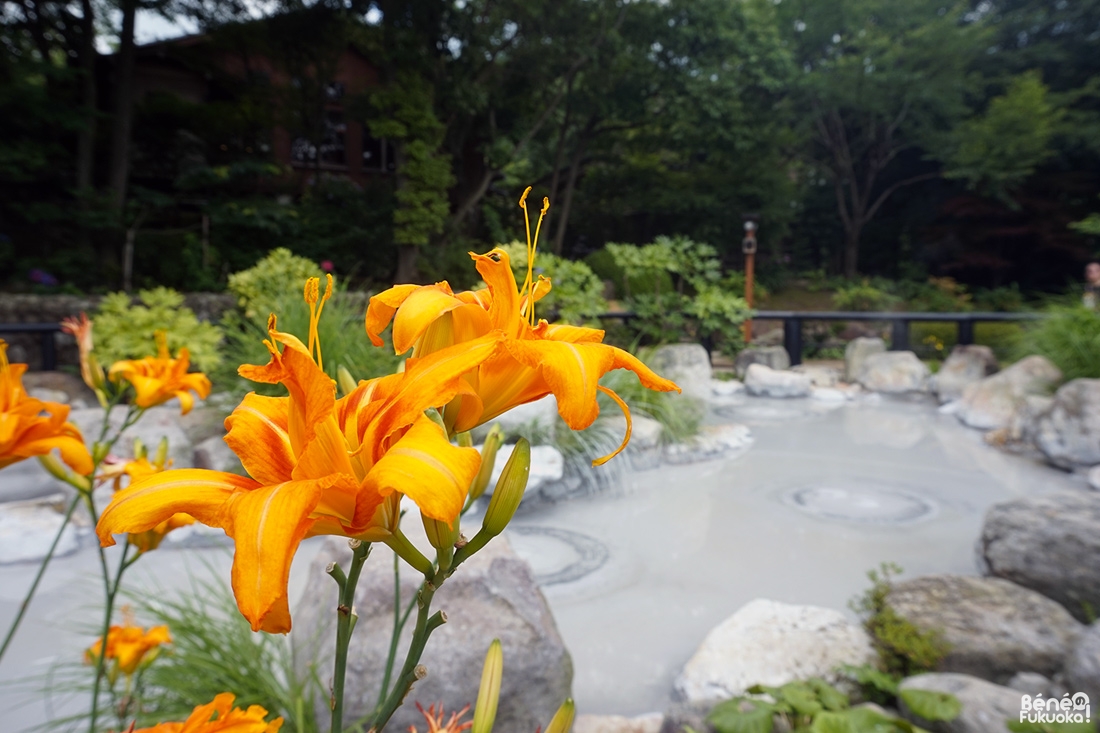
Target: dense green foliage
[124,329]
[267,282]
[1069,337]
[897,140]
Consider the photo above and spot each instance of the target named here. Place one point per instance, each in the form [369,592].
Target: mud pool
[638,575]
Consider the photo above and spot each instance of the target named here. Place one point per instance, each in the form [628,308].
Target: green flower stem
[111,591]
[412,671]
[345,625]
[38,576]
[399,620]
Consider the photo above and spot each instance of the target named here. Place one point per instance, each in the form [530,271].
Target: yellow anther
[523,198]
[545,205]
[328,287]
[312,291]
[272,321]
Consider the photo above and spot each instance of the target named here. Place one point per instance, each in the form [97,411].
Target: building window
[378,154]
[330,151]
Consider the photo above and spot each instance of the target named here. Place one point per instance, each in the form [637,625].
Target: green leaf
[930,704]
[729,717]
[867,675]
[801,697]
[828,722]
[830,697]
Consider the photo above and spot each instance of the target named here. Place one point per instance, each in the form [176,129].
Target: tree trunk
[851,250]
[85,143]
[407,271]
[571,186]
[123,111]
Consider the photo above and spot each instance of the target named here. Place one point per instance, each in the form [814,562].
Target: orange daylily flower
[542,359]
[436,722]
[220,716]
[90,370]
[25,431]
[136,470]
[129,646]
[157,379]
[316,465]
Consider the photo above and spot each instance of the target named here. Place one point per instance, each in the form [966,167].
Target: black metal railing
[899,324]
[46,333]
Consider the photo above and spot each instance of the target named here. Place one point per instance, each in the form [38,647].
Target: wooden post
[750,261]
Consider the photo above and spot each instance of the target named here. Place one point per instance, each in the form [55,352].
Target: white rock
[771,643]
[1094,477]
[773,357]
[950,408]
[1068,433]
[857,351]
[828,394]
[712,442]
[156,423]
[965,365]
[762,381]
[686,364]
[547,464]
[893,372]
[820,376]
[215,455]
[28,528]
[648,723]
[49,395]
[726,387]
[992,402]
[541,412]
[985,706]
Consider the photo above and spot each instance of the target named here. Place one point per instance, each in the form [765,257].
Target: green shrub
[903,649]
[1069,337]
[576,295]
[935,295]
[863,297]
[1006,299]
[126,330]
[1003,337]
[266,283]
[343,339]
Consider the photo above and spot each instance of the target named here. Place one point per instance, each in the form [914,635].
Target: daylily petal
[504,309]
[424,466]
[571,372]
[267,525]
[648,378]
[155,499]
[572,334]
[381,308]
[259,435]
[420,309]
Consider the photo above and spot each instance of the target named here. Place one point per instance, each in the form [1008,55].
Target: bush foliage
[126,330]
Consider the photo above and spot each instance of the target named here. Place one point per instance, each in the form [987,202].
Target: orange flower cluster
[157,379]
[25,431]
[220,716]
[129,646]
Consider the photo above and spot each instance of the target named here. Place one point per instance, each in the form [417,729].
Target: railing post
[49,352]
[899,335]
[792,339]
[966,331]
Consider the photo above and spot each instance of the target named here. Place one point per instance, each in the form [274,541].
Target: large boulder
[762,381]
[492,595]
[992,402]
[1068,433]
[986,707]
[894,372]
[820,376]
[774,357]
[771,643]
[1093,477]
[993,627]
[648,723]
[857,351]
[27,529]
[965,365]
[1049,543]
[1082,672]
[686,364]
[711,442]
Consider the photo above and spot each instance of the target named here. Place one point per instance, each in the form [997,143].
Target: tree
[879,78]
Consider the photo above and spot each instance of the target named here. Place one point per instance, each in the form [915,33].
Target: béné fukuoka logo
[1067,709]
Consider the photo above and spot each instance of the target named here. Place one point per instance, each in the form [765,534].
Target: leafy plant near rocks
[577,293]
[213,649]
[125,329]
[863,297]
[815,706]
[1069,337]
[903,648]
[261,287]
[702,303]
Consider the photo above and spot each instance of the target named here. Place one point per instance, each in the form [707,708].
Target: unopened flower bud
[493,441]
[139,449]
[344,379]
[442,537]
[60,471]
[161,457]
[562,721]
[488,694]
[509,489]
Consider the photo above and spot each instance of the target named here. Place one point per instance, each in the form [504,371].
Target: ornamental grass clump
[323,464]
